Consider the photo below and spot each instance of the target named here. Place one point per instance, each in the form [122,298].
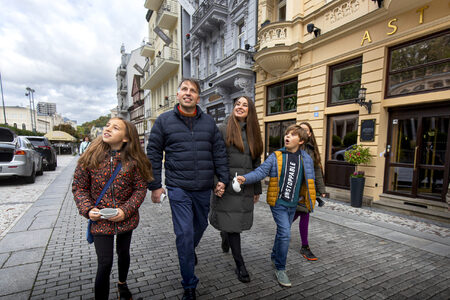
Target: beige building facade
[20,117]
[162,52]
[311,60]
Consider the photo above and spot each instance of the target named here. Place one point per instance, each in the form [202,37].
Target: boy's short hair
[298,131]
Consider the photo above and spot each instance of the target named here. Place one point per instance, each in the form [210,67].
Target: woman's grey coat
[234,211]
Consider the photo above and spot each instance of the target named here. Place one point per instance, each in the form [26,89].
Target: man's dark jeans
[190,218]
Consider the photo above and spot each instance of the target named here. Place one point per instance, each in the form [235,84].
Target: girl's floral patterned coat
[128,189]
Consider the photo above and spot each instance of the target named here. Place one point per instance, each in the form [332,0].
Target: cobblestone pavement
[352,264]
[16,196]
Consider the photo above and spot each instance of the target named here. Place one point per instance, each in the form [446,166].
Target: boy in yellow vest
[291,172]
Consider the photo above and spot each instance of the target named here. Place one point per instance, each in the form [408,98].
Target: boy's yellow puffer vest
[308,189]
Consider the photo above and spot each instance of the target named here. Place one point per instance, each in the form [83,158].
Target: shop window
[419,66]
[342,134]
[275,134]
[345,81]
[217,112]
[282,97]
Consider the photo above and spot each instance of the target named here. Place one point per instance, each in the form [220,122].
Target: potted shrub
[357,155]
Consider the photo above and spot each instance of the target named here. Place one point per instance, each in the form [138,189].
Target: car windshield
[37,142]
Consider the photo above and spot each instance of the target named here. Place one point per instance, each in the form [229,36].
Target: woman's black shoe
[225,243]
[124,292]
[189,294]
[242,274]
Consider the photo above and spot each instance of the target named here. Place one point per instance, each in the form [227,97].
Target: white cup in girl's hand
[236,185]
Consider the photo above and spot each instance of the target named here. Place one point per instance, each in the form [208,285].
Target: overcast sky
[67,51]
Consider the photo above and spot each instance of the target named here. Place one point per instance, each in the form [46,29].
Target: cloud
[67,51]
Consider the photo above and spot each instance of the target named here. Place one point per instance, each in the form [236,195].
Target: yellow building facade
[162,51]
[312,58]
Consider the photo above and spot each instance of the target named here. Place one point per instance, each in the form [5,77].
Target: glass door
[417,160]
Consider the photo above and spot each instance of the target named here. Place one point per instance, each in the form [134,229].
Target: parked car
[18,157]
[339,155]
[48,152]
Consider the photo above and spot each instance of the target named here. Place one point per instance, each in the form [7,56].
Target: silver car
[18,157]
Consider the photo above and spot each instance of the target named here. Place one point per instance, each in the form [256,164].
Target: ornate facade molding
[345,9]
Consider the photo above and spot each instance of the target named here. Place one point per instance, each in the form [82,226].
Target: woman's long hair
[253,131]
[312,141]
[131,151]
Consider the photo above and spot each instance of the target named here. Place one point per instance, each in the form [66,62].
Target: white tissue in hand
[236,185]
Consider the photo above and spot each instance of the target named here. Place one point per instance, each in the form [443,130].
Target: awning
[60,136]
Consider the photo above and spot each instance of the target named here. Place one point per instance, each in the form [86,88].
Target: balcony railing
[168,54]
[169,103]
[148,47]
[205,7]
[167,14]
[152,4]
[165,63]
[239,59]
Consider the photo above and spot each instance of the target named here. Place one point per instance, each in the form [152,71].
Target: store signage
[162,35]
[367,130]
[392,26]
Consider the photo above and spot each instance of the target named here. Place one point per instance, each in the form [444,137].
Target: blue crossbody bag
[89,236]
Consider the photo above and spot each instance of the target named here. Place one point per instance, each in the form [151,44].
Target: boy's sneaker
[306,252]
[282,278]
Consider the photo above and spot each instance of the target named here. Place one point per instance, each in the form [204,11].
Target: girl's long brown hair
[131,151]
[253,131]
[312,141]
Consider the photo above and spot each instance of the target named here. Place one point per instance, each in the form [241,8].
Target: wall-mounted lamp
[380,2]
[361,100]
[210,84]
[311,28]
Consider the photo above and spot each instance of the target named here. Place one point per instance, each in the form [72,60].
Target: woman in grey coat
[233,212]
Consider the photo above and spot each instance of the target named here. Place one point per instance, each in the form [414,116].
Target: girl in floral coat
[118,143]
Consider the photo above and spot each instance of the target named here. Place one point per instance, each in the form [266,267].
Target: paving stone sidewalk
[358,259]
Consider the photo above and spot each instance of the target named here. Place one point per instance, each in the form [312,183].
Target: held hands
[241,179]
[156,195]
[219,189]
[256,198]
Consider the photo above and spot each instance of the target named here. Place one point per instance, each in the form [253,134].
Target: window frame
[283,84]
[406,44]
[217,108]
[282,4]
[266,132]
[240,35]
[338,66]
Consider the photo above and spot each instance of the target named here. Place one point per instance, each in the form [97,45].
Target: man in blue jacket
[194,153]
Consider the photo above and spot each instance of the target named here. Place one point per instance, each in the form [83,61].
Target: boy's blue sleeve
[262,171]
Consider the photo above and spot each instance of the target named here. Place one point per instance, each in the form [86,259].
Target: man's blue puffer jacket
[192,157]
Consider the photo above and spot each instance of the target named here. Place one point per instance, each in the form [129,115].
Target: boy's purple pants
[303,226]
